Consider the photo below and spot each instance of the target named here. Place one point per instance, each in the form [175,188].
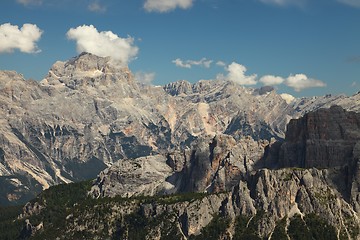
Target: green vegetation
[297,229]
[325,197]
[311,227]
[71,214]
[216,228]
[10,229]
[247,227]
[288,177]
[69,202]
[280,230]
[136,226]
[319,228]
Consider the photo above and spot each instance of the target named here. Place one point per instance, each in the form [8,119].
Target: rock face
[140,176]
[211,165]
[322,139]
[88,114]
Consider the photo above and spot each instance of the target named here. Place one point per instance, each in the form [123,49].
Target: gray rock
[134,177]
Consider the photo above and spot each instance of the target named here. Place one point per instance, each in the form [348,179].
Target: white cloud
[300,82]
[287,97]
[166,5]
[103,44]
[96,7]
[180,63]
[271,80]
[353,3]
[145,78]
[30,2]
[220,63]
[236,73]
[23,39]
[189,63]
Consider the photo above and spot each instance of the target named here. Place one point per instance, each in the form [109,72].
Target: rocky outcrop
[178,88]
[136,177]
[321,139]
[212,164]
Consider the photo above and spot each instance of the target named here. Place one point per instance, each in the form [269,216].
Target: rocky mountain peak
[178,88]
[87,69]
[87,62]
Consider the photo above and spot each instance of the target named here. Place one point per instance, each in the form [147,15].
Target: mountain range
[223,151]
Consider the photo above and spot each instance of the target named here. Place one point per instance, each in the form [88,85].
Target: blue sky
[302,47]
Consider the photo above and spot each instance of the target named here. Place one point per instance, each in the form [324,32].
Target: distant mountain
[88,114]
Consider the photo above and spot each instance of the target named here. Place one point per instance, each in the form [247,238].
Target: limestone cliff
[321,139]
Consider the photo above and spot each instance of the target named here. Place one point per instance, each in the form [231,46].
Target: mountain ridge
[88,114]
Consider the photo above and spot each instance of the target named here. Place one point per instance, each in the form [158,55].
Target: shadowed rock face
[321,139]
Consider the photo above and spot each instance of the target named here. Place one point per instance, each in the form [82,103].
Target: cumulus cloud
[24,39]
[96,7]
[30,2]
[236,73]
[271,80]
[103,44]
[144,77]
[287,97]
[189,63]
[180,63]
[300,82]
[352,3]
[166,5]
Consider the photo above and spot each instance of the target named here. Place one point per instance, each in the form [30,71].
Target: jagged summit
[88,62]
[88,69]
